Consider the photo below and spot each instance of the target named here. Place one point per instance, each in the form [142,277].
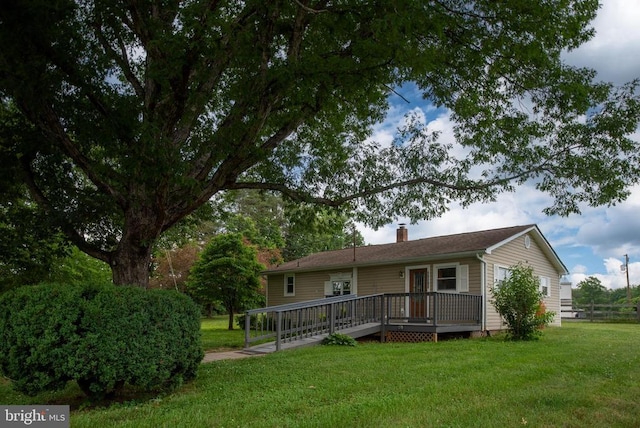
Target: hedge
[103,337]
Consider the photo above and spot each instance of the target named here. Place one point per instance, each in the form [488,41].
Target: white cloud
[613,230]
[579,269]
[613,50]
[615,276]
[612,278]
[506,211]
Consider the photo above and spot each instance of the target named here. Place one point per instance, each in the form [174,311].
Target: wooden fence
[605,312]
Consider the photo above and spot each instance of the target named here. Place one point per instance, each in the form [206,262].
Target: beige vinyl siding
[509,255]
[275,286]
[387,279]
[308,286]
[380,279]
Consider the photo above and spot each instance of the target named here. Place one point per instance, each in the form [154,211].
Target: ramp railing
[285,323]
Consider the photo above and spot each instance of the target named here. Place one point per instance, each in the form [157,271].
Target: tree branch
[76,238]
[301,196]
[53,126]
[310,9]
[121,59]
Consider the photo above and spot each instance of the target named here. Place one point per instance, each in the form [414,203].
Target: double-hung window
[500,273]
[545,286]
[341,287]
[290,285]
[340,284]
[451,278]
[447,277]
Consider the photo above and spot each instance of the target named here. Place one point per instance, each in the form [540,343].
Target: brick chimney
[402,234]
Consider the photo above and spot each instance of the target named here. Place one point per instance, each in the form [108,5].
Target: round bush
[100,336]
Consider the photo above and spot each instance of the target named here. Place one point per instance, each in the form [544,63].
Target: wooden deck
[409,317]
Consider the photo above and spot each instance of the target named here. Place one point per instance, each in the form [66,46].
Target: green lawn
[580,375]
[216,335]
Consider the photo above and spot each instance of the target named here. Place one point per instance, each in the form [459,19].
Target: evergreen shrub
[101,336]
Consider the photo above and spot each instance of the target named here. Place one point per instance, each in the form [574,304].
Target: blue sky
[591,244]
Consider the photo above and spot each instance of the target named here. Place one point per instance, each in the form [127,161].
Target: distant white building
[566,299]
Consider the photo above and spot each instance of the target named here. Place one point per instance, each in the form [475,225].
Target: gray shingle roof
[471,242]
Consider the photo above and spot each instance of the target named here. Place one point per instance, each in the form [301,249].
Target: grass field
[579,375]
[217,337]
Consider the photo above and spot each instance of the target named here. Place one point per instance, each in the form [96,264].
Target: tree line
[591,290]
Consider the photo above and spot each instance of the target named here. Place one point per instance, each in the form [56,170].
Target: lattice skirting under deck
[410,336]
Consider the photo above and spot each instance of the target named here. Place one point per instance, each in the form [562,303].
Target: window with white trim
[500,273]
[341,287]
[290,285]
[545,286]
[451,278]
[341,284]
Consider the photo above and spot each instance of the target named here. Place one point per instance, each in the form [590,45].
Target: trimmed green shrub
[339,339]
[521,304]
[100,336]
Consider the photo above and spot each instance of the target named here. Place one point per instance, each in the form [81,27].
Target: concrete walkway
[270,347]
[229,355]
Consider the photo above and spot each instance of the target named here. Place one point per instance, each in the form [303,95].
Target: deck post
[332,318]
[354,314]
[278,330]
[435,309]
[382,318]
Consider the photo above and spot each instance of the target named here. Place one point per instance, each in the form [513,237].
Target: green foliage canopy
[311,230]
[270,221]
[592,290]
[132,114]
[227,271]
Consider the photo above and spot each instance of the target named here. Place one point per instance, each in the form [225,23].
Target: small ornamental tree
[227,271]
[519,301]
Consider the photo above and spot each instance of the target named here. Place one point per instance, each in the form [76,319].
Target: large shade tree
[135,113]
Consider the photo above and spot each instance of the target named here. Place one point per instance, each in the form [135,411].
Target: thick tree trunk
[131,262]
[131,265]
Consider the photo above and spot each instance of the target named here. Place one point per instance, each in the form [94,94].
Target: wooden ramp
[391,315]
[355,332]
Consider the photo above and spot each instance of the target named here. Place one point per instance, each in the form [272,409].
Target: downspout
[483,289]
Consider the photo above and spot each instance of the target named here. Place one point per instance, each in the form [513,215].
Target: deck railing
[433,308]
[286,323]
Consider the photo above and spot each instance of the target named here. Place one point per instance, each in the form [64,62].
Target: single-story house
[461,264]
